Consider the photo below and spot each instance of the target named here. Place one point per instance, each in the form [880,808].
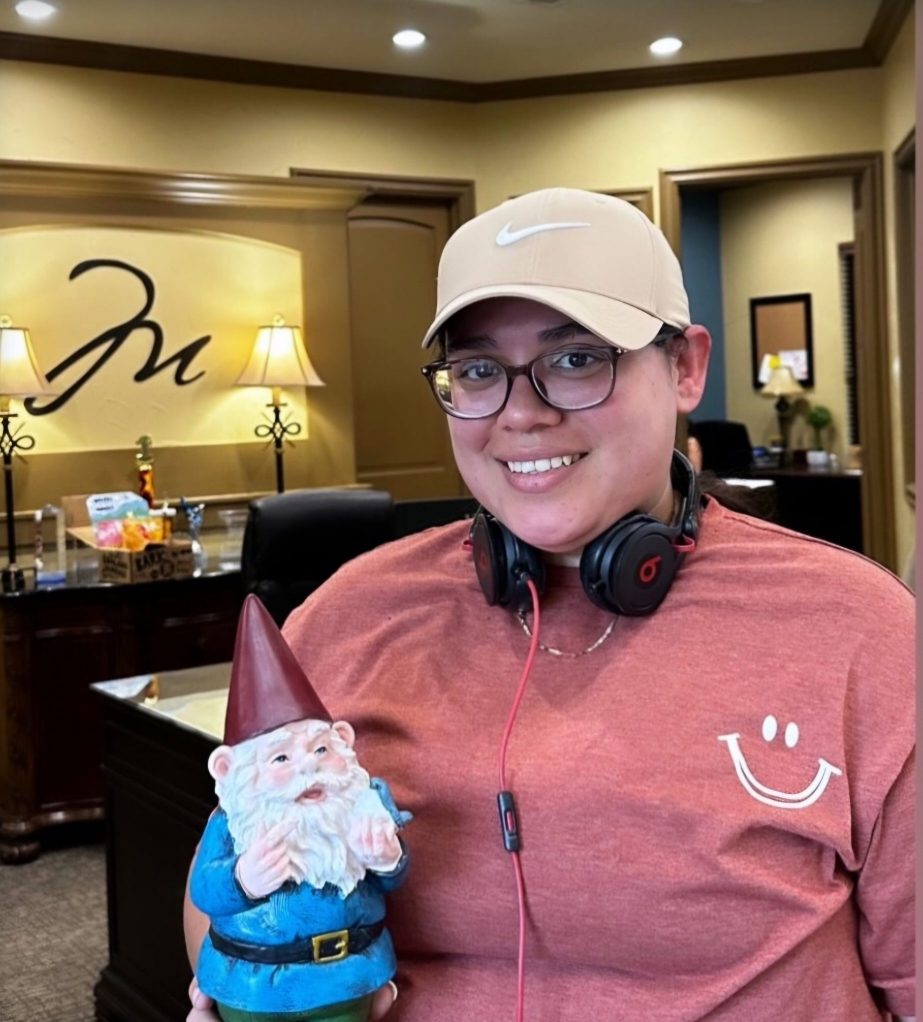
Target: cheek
[468,436]
[274,778]
[335,763]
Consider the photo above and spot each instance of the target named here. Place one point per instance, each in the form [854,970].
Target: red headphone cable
[508,820]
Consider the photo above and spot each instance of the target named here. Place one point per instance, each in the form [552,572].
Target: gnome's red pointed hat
[268,686]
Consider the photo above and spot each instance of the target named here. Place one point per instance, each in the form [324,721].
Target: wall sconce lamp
[782,385]
[20,376]
[278,359]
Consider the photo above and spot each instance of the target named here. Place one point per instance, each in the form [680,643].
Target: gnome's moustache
[334,784]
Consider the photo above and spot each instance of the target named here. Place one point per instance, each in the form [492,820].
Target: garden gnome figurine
[294,865]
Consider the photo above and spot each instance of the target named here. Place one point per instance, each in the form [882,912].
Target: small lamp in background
[279,359]
[782,385]
[20,376]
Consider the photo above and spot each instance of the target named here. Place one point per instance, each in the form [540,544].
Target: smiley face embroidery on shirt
[770,796]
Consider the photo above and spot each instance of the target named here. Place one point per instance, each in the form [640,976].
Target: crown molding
[27,179]
[884,28]
[179,64]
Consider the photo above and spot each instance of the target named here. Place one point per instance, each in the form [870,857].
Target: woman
[703,722]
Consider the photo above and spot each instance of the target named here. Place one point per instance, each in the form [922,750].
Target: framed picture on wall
[781,325]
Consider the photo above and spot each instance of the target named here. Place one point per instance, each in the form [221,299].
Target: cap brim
[617,323]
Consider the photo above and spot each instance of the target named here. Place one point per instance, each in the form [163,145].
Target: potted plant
[819,418]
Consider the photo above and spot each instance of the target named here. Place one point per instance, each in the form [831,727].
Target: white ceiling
[469,40]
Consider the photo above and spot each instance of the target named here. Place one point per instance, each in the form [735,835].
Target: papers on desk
[751,484]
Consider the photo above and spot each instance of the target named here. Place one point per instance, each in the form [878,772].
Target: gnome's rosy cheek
[276,772]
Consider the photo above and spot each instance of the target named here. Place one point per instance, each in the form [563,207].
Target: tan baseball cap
[597,259]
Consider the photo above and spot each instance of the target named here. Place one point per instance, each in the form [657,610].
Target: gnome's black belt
[325,947]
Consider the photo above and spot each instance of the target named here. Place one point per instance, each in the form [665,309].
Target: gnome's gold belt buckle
[324,952]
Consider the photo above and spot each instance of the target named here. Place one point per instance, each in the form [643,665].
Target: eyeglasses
[570,379]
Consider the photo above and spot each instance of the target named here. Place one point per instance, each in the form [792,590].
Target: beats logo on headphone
[627,570]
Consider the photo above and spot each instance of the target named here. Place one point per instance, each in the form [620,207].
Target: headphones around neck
[628,569]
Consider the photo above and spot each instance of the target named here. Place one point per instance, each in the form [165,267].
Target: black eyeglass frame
[611,353]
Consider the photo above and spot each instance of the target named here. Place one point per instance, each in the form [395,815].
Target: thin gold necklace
[564,653]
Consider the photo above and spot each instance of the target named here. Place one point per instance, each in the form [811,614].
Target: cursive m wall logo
[113,338]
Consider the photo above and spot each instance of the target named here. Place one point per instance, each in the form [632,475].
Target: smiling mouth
[769,796]
[543,464]
[313,794]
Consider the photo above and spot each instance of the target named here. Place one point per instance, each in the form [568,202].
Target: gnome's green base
[343,1011]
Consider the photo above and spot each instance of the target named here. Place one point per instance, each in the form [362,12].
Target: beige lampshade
[20,375]
[279,359]
[781,383]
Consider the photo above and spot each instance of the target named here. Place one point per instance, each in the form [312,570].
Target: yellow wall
[72,115]
[623,139]
[781,239]
[602,140]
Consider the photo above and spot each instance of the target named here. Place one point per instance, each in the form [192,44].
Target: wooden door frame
[456,194]
[904,163]
[874,385]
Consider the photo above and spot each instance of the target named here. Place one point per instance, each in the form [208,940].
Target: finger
[278,831]
[274,855]
[382,1000]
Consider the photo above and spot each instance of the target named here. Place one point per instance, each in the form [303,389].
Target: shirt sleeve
[885,898]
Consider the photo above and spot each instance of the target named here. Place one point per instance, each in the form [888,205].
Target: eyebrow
[484,342]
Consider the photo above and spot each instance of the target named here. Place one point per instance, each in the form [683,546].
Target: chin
[551,538]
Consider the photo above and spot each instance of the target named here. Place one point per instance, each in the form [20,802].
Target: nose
[524,409]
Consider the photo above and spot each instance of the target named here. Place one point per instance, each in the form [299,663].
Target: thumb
[382,1000]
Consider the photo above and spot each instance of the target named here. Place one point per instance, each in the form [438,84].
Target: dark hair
[758,503]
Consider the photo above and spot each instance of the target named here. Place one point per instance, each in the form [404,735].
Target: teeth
[542,464]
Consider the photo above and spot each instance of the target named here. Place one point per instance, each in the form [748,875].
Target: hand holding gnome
[294,864]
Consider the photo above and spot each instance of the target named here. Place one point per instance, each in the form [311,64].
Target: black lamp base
[12,579]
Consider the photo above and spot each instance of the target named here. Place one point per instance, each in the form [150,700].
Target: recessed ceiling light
[408,39]
[34,10]
[664,47]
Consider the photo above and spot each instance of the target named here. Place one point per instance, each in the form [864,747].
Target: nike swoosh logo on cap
[508,237]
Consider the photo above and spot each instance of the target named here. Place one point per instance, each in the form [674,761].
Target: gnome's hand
[265,865]
[374,840]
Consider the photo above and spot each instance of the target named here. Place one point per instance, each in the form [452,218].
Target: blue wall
[701,247]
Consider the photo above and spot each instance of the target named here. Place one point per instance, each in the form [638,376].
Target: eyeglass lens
[569,379]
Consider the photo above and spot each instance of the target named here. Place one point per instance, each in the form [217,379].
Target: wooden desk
[819,503]
[53,644]
[159,795]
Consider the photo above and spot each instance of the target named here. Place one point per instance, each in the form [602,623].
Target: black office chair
[415,515]
[294,541]
[726,449]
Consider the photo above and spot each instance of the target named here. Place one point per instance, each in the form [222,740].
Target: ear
[691,368]
[219,762]
[344,732]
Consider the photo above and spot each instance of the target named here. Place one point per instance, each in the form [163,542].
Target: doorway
[873,387]
[395,236]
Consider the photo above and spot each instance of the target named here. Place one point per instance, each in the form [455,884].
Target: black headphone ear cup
[629,569]
[503,562]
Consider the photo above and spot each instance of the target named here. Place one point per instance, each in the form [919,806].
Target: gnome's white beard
[318,843]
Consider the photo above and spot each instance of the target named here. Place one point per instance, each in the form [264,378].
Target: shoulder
[390,578]
[743,551]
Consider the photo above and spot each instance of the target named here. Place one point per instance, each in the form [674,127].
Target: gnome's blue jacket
[292,913]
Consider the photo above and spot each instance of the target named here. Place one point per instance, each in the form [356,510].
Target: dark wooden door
[402,442]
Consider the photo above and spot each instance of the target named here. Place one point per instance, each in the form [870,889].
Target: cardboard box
[155,563]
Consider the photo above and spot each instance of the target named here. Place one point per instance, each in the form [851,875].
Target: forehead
[500,317]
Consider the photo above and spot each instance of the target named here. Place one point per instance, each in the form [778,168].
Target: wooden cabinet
[158,798]
[53,645]
[819,503]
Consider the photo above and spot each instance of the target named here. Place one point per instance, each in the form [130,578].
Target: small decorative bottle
[145,460]
[193,513]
